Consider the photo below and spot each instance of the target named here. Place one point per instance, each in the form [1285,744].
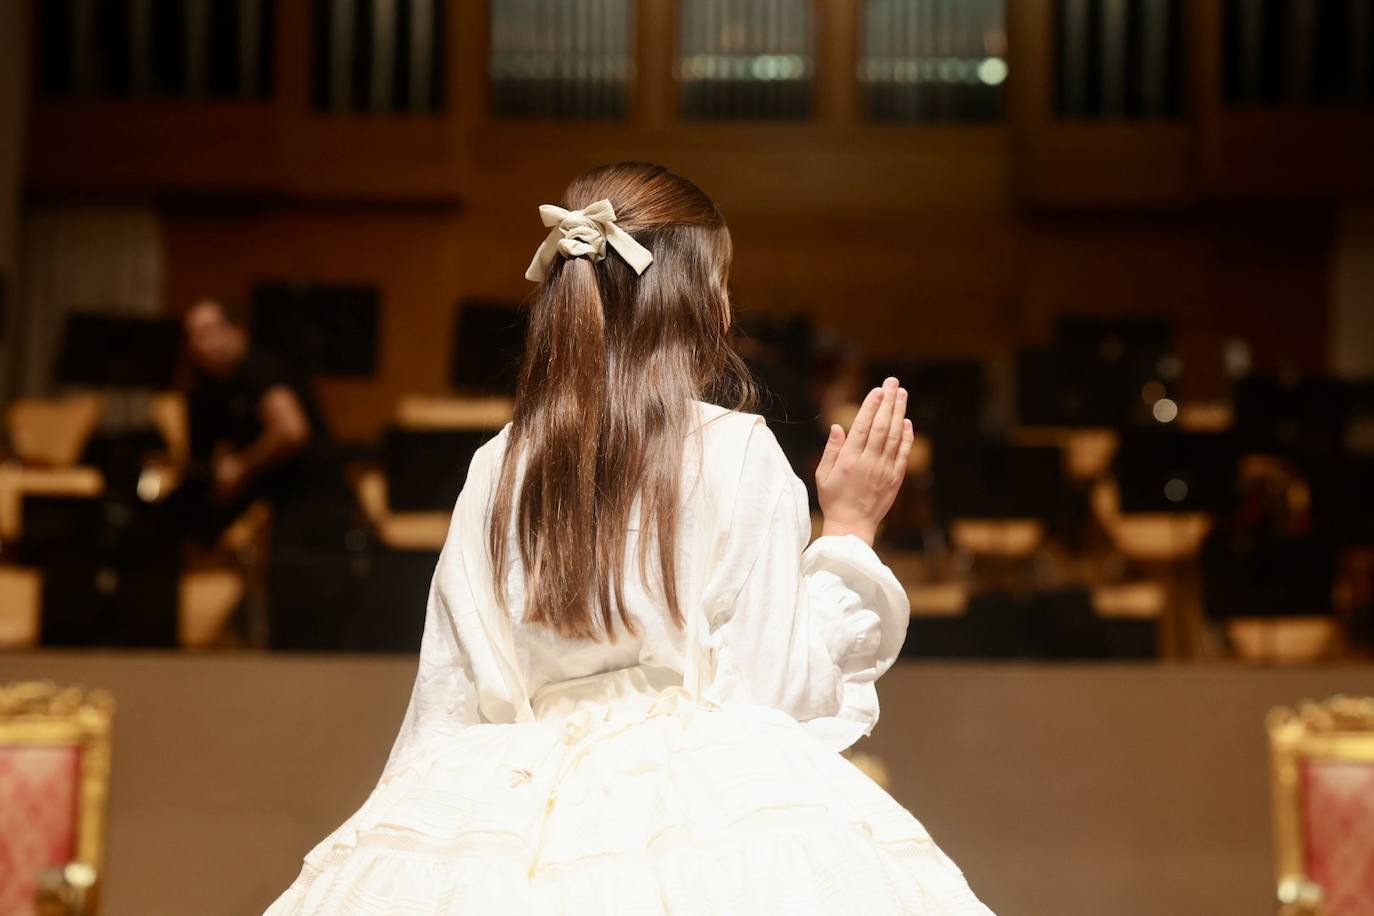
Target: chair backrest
[52,432]
[426,412]
[1322,760]
[54,780]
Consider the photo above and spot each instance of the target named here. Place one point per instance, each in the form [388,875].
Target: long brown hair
[613,361]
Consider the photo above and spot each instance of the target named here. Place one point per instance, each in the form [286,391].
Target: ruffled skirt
[624,797]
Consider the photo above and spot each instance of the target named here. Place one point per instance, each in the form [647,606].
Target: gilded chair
[1322,766]
[54,782]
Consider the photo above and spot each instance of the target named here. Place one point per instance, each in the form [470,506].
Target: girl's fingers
[863,422]
[904,447]
[877,437]
[832,451]
[895,427]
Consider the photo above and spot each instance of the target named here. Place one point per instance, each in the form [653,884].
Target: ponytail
[622,339]
[564,375]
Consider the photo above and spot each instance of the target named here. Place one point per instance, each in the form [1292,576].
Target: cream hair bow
[584,233]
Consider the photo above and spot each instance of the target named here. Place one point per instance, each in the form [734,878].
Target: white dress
[680,771]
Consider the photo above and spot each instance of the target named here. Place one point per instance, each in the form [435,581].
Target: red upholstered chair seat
[1338,823]
[38,793]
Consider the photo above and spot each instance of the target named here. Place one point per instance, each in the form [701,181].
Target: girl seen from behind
[637,676]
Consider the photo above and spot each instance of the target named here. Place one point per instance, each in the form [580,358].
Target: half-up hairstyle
[613,361]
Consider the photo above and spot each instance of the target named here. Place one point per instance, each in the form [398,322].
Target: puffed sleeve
[809,628]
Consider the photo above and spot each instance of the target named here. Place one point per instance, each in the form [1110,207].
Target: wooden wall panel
[915,240]
[115,149]
[283,146]
[409,255]
[1078,164]
[936,281]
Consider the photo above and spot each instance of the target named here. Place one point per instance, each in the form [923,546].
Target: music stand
[320,327]
[1138,341]
[55,525]
[1060,388]
[1163,470]
[489,342]
[942,395]
[102,583]
[1093,372]
[425,468]
[983,478]
[1170,486]
[107,578]
[103,350]
[1305,417]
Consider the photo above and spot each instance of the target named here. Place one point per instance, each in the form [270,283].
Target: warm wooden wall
[938,281]
[13,93]
[410,255]
[913,239]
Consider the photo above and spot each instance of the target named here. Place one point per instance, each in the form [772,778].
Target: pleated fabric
[626,797]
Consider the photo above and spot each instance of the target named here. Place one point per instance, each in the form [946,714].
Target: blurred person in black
[257,432]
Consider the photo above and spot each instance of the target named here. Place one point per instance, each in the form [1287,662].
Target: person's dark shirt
[228,410]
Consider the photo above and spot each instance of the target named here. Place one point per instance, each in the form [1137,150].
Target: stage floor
[1080,790]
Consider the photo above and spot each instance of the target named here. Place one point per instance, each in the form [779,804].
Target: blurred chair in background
[52,432]
[54,785]
[1166,490]
[1088,451]
[1162,544]
[407,499]
[430,443]
[209,592]
[1000,501]
[1269,573]
[48,437]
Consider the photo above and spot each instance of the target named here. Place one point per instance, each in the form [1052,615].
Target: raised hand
[860,474]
